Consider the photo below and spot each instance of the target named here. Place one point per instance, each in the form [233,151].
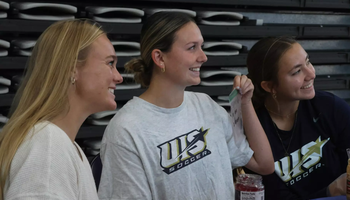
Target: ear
[157,57]
[267,86]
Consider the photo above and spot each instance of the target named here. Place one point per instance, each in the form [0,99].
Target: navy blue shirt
[317,151]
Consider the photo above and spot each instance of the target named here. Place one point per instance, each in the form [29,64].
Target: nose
[117,78]
[202,57]
[310,72]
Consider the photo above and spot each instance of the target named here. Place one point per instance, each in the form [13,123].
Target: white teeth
[111,90]
[195,69]
[307,86]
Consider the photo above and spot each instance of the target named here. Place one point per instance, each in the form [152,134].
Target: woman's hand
[338,186]
[246,88]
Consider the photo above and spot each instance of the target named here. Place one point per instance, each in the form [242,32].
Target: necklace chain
[291,138]
[285,116]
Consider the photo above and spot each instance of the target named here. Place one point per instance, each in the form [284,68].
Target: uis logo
[184,150]
[301,163]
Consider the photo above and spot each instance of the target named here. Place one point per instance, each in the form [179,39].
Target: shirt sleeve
[237,143]
[123,175]
[43,169]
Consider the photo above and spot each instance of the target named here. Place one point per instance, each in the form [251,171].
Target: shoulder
[323,98]
[203,103]
[46,153]
[326,103]
[48,166]
[47,134]
[125,121]
[45,142]
[129,112]
[323,95]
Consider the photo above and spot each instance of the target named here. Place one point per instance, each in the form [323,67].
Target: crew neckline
[162,109]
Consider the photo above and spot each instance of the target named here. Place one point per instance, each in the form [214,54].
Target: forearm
[262,161]
[338,186]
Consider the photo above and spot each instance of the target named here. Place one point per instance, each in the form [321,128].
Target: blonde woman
[71,74]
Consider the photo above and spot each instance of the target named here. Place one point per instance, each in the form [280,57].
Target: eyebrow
[115,58]
[196,43]
[112,56]
[299,65]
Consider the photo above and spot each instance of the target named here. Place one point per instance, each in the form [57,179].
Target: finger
[244,78]
[237,82]
[245,84]
[248,85]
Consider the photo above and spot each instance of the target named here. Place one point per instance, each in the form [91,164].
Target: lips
[307,86]
[195,69]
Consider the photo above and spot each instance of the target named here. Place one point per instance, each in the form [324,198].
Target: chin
[196,82]
[192,84]
[109,106]
[113,106]
[309,96]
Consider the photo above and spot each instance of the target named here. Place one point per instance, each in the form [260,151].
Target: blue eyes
[112,63]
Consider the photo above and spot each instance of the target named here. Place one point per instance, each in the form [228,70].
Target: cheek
[100,80]
[290,84]
[183,60]
[105,74]
[297,83]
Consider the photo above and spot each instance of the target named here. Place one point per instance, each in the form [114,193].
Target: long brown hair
[262,63]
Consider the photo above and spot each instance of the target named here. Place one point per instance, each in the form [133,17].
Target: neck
[164,94]
[281,109]
[282,113]
[71,121]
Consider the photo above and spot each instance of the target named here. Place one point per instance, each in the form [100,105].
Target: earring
[274,95]
[72,80]
[162,69]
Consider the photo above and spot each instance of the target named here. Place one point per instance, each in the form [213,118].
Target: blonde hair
[158,32]
[43,93]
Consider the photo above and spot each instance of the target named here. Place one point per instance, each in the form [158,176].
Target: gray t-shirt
[188,152]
